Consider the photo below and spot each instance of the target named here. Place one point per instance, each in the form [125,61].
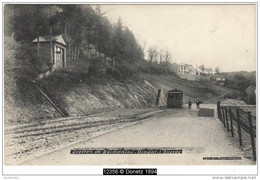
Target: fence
[236,120]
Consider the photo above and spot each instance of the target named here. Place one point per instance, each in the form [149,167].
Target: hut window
[58,50]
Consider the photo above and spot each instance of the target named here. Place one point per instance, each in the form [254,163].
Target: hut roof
[57,38]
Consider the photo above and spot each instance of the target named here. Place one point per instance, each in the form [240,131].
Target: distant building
[191,70]
[58,50]
[220,78]
[181,68]
[187,71]
[208,71]
[184,71]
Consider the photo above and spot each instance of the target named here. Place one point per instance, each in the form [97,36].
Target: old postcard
[130,85]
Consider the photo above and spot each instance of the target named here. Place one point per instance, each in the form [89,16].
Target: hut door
[58,57]
[63,57]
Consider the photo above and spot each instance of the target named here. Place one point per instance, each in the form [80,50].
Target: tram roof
[175,90]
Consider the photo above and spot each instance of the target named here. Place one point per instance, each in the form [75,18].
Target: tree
[143,47]
[161,56]
[152,54]
[202,67]
[81,26]
[167,56]
[217,70]
[117,42]
[27,19]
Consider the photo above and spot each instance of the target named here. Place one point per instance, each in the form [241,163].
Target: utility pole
[38,43]
[38,28]
[88,44]
[38,33]
[52,60]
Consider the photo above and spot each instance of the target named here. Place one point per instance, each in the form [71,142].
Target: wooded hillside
[82,26]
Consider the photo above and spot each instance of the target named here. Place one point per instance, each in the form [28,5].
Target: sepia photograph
[129,85]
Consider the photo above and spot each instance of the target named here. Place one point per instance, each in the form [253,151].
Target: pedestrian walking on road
[189,103]
[198,102]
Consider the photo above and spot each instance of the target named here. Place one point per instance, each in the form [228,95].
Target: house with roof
[181,69]
[205,71]
[219,78]
[208,71]
[190,70]
[185,71]
[52,50]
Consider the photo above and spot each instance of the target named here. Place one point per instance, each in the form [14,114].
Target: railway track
[30,140]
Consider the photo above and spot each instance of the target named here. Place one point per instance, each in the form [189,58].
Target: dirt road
[198,137]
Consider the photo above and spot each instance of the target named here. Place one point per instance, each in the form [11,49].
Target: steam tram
[175,99]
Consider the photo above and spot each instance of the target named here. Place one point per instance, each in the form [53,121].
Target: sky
[221,36]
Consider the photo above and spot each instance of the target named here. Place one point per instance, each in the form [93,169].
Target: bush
[157,68]
[27,64]
[250,95]
[127,70]
[81,66]
[234,95]
[113,72]
[97,68]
